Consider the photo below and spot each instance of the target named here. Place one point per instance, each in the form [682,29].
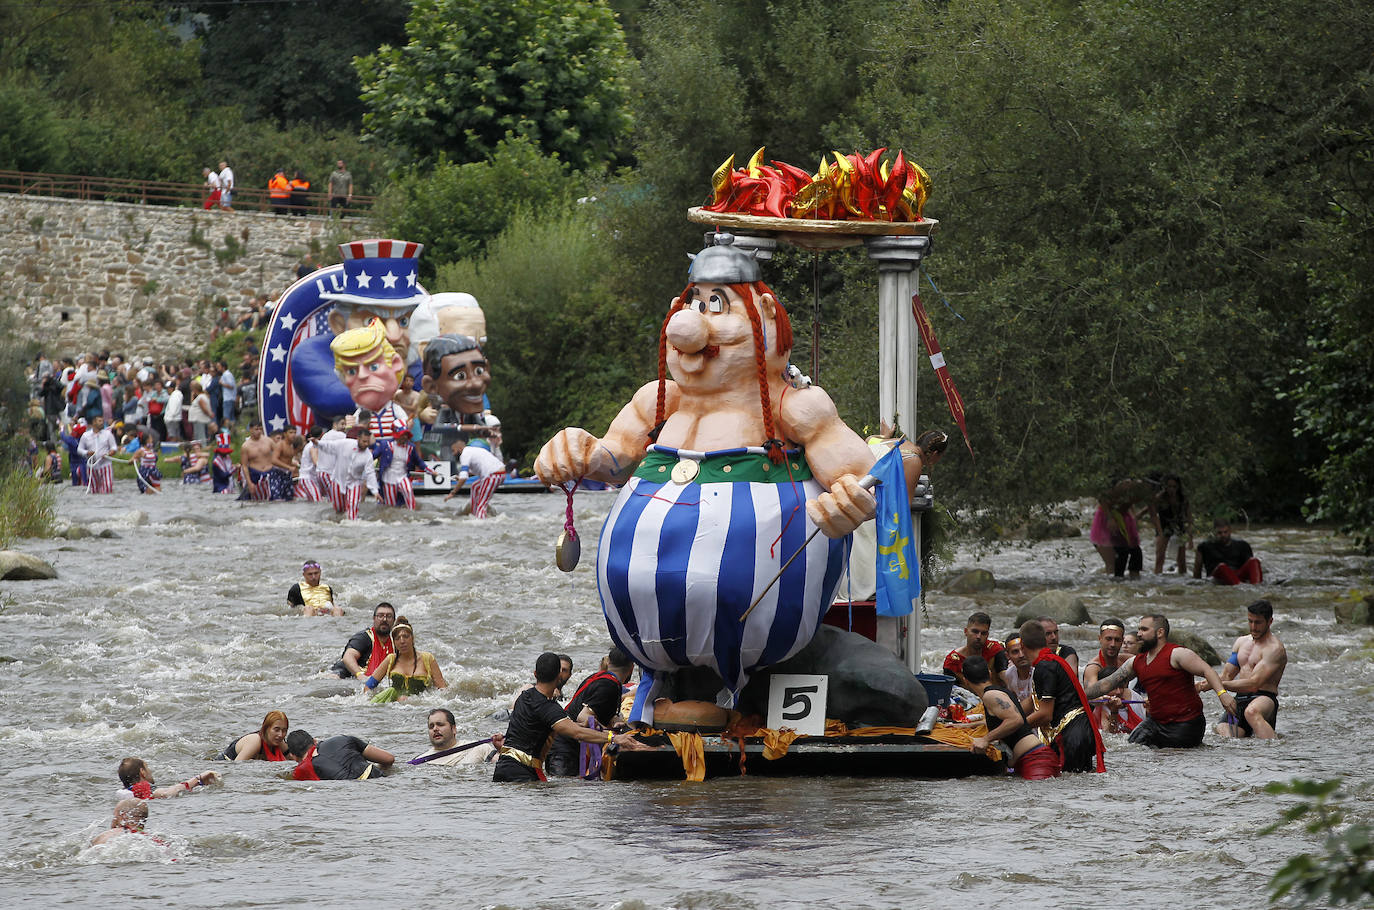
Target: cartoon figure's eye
[701,306]
[717,305]
[404,321]
[351,372]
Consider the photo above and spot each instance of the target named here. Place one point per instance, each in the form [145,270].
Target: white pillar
[898,358]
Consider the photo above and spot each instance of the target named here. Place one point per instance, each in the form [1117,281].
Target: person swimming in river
[410,672]
[267,744]
[137,781]
[130,815]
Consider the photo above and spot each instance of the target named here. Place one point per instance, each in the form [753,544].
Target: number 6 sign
[797,701]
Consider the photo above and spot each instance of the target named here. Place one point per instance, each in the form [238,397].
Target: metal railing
[159,192]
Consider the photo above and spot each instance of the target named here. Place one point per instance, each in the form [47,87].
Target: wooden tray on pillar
[811,233]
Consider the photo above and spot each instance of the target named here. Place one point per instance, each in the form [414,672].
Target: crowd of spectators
[171,400]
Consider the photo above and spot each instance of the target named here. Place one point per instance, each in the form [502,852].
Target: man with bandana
[313,596]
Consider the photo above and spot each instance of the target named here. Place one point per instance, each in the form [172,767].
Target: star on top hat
[380,274]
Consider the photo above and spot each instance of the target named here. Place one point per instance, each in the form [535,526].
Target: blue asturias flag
[899,572]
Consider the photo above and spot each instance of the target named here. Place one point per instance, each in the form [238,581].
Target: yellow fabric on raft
[692,750]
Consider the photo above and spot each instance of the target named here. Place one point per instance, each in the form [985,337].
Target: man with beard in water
[1061,706]
[1167,672]
[536,717]
[367,649]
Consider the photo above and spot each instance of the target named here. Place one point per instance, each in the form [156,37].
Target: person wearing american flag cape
[727,470]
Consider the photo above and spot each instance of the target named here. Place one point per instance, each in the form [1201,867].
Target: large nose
[688,331]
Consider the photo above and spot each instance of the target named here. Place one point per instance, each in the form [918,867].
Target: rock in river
[16,566]
[1063,607]
[971,582]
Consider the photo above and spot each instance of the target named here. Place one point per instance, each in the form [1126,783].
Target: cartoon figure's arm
[574,453]
[837,456]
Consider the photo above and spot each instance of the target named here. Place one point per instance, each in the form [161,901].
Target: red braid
[661,404]
[770,441]
[750,294]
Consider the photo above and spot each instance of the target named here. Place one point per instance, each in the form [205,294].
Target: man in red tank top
[1167,672]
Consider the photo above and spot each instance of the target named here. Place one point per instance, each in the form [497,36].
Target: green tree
[456,209]
[1344,872]
[1123,194]
[293,62]
[473,71]
[1335,372]
[565,348]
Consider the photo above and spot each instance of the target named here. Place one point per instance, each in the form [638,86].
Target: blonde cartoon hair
[356,347]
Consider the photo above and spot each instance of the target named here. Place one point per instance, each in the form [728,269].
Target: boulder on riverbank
[16,566]
[1063,607]
[1197,644]
[974,581]
[1355,612]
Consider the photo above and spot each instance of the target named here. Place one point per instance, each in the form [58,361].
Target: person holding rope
[1006,722]
[96,446]
[536,716]
[444,750]
[1062,709]
[1167,672]
[475,460]
[1115,715]
[599,697]
[1253,671]
[145,465]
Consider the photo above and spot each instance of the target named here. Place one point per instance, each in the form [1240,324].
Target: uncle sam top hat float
[379,274]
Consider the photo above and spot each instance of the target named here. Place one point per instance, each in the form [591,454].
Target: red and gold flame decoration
[850,188]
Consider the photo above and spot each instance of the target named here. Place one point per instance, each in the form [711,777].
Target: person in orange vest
[279,192]
[300,188]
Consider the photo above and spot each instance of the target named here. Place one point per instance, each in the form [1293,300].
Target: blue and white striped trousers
[678,564]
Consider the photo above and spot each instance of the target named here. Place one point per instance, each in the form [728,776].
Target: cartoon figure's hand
[566,457]
[846,506]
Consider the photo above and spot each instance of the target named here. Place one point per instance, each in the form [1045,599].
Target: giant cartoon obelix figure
[727,470]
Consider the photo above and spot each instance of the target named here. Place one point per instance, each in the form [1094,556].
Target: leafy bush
[26,506]
[477,71]
[1344,873]
[565,349]
[456,209]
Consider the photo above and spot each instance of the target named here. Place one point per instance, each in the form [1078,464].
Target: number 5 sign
[798,702]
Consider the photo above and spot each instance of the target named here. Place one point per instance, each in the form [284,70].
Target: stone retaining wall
[144,280]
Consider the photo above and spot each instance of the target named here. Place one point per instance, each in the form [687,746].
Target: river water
[174,637]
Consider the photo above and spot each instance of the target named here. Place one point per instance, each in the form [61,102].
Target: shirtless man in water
[256,457]
[1253,672]
[129,816]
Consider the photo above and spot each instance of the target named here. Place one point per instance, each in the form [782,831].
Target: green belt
[742,468]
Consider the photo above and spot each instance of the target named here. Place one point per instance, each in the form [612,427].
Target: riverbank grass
[26,507]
